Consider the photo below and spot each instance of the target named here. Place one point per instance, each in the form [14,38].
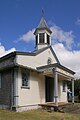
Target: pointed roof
[43,25]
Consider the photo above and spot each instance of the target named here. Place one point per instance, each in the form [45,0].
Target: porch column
[72,90]
[55,89]
[15,87]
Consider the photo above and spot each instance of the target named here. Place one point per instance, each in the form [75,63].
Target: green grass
[37,115]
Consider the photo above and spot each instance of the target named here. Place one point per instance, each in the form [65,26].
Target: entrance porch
[51,106]
[56,84]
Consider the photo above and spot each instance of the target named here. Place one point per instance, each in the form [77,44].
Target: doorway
[49,89]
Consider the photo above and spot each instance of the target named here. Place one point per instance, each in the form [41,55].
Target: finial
[42,13]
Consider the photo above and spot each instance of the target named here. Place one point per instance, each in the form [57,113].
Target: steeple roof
[43,25]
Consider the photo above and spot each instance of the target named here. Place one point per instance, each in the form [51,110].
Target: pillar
[72,90]
[15,87]
[55,89]
[45,38]
[38,38]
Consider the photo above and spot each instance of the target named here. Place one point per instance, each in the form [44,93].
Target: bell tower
[42,35]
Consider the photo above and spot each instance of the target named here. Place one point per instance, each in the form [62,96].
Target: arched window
[26,78]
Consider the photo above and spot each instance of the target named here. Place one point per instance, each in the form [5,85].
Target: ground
[71,113]
[71,108]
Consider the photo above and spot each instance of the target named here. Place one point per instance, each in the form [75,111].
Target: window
[0,80]
[49,61]
[48,39]
[36,39]
[41,38]
[64,86]
[25,78]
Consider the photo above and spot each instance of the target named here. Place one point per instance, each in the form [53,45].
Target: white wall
[36,61]
[43,57]
[36,93]
[25,60]
[62,95]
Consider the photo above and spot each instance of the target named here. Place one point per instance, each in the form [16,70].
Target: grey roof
[18,65]
[13,54]
[43,25]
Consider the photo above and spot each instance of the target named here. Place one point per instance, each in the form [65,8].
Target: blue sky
[19,18]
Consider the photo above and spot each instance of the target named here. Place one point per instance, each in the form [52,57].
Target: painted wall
[25,60]
[36,61]
[36,93]
[62,94]
[43,57]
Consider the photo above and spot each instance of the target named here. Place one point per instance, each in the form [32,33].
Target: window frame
[36,39]
[25,74]
[41,38]
[48,39]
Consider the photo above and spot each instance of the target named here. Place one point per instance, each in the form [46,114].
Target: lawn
[37,115]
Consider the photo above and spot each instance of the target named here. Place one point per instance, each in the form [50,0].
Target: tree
[76,86]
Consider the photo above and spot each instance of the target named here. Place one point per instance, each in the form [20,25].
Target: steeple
[43,25]
[42,34]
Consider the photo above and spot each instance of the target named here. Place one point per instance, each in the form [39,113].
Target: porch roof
[52,66]
[63,72]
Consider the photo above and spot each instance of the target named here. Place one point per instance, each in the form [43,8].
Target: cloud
[78,21]
[70,59]
[60,36]
[4,52]
[27,37]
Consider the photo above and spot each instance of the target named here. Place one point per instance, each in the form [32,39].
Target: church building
[28,79]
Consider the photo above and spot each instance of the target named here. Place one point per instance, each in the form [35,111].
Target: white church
[29,79]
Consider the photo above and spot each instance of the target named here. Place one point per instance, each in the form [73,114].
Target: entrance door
[49,89]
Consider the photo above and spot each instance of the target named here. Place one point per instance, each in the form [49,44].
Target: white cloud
[70,59]
[59,35]
[78,21]
[27,37]
[4,52]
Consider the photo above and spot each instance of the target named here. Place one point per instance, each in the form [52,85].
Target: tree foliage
[76,86]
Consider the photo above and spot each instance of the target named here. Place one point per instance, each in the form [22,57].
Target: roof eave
[56,65]
[42,29]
